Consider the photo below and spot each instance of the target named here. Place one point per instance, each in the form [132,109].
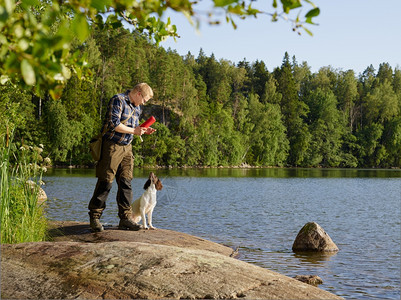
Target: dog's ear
[147,184]
[158,184]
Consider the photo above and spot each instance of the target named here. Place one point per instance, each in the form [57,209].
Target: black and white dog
[145,204]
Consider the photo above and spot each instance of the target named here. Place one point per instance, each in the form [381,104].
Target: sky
[351,34]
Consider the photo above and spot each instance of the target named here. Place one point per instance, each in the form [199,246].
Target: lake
[261,211]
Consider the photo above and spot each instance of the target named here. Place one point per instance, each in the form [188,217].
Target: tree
[302,76]
[164,77]
[216,75]
[268,142]
[238,81]
[381,104]
[63,134]
[326,129]
[369,139]
[259,77]
[384,73]
[392,142]
[347,95]
[37,35]
[17,117]
[270,92]
[293,110]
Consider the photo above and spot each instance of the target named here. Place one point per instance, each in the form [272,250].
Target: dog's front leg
[150,220]
[144,220]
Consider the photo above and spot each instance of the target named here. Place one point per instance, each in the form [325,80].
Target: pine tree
[293,111]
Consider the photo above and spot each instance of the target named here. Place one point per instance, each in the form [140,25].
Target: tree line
[216,113]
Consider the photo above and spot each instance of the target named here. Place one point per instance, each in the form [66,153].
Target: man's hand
[150,130]
[140,130]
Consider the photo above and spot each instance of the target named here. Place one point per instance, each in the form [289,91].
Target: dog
[147,202]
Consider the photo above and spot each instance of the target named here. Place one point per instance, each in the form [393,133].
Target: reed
[22,217]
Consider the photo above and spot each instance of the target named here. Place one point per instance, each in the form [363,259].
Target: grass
[22,217]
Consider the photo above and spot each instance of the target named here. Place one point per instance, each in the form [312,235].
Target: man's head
[140,94]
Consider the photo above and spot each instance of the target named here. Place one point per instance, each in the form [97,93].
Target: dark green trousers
[116,162]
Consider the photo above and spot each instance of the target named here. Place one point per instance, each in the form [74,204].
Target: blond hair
[144,89]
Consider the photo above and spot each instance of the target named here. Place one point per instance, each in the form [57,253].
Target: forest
[213,112]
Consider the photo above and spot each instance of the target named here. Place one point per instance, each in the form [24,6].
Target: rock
[41,196]
[41,193]
[80,232]
[312,237]
[103,268]
[310,279]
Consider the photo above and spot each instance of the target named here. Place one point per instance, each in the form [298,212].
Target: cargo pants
[117,162]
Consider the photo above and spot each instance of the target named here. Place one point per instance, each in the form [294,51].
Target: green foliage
[268,143]
[63,134]
[369,139]
[213,113]
[37,36]
[21,215]
[392,142]
[381,104]
[326,129]
[346,91]
[294,110]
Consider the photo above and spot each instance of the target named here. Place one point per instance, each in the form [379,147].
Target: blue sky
[352,34]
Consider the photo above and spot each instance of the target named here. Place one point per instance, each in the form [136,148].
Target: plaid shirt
[120,107]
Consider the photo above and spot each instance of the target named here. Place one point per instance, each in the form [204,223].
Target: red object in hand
[148,122]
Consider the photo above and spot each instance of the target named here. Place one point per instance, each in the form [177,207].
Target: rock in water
[310,279]
[42,197]
[312,237]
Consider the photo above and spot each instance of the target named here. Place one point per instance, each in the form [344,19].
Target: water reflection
[251,172]
[314,258]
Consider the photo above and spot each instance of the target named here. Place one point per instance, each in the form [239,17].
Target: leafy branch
[37,36]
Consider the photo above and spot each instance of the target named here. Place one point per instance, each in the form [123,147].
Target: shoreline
[243,166]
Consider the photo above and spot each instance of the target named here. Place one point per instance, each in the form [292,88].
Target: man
[120,126]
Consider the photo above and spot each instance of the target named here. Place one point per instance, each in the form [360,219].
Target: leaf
[10,6]
[290,4]
[237,10]
[4,79]
[29,3]
[233,24]
[28,72]
[80,27]
[313,13]
[66,72]
[100,5]
[222,3]
[23,44]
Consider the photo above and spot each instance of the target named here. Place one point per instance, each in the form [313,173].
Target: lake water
[262,210]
